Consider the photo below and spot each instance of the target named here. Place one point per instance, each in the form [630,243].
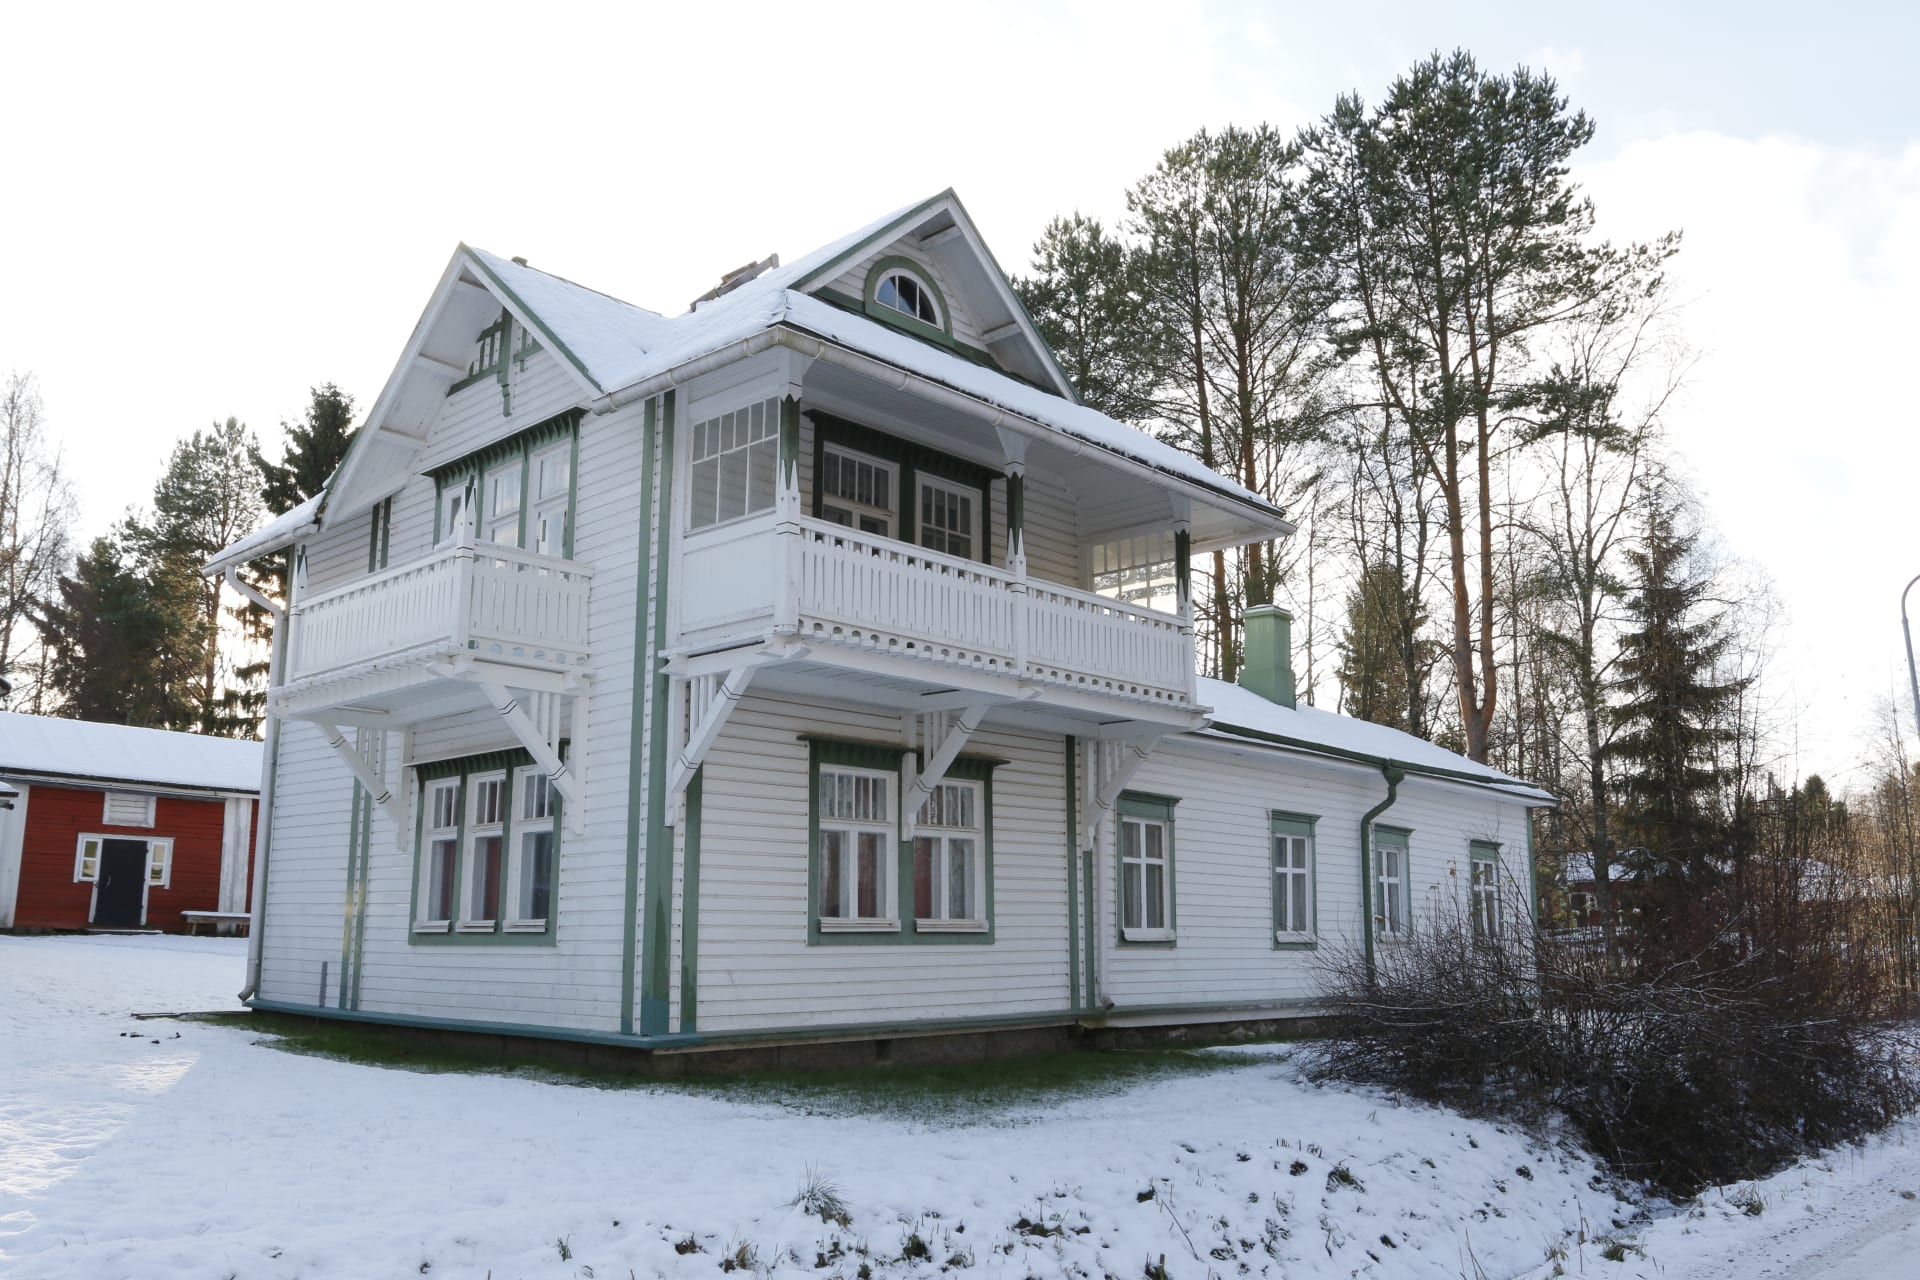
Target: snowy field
[159,1149]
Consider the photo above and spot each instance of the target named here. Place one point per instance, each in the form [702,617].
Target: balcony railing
[890,597]
[494,602]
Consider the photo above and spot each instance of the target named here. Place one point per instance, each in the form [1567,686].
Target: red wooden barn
[110,827]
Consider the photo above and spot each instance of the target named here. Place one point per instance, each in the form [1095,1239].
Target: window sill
[949,926]
[859,926]
[1147,935]
[1295,940]
[527,926]
[432,926]
[475,926]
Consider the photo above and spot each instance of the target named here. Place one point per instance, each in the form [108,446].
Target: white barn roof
[46,746]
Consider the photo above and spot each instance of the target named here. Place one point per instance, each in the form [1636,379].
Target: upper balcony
[403,643]
[866,603]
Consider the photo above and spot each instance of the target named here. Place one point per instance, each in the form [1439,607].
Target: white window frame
[549,510]
[495,483]
[1390,924]
[927,291]
[525,822]
[452,498]
[851,829]
[1484,892]
[477,788]
[708,435]
[430,833]
[148,809]
[888,515]
[1142,932]
[159,859]
[940,837]
[1296,833]
[966,493]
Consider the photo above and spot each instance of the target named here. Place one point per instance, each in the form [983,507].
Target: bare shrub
[1695,1068]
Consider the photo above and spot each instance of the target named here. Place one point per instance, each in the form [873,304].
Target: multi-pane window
[1484,890]
[735,457]
[532,872]
[455,498]
[440,861]
[948,518]
[86,862]
[909,295]
[1138,570]
[947,848]
[1146,871]
[857,848]
[486,848]
[502,521]
[1390,883]
[549,498]
[1292,879]
[857,491]
[159,861]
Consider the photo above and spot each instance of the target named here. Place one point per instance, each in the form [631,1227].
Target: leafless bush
[1695,1069]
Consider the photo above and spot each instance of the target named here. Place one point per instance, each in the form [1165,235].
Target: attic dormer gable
[929,274]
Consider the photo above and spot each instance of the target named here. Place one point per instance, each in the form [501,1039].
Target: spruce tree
[1671,709]
[123,645]
[313,451]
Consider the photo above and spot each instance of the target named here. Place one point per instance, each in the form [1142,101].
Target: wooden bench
[223,922]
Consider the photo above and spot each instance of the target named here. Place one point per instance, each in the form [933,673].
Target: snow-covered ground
[159,1149]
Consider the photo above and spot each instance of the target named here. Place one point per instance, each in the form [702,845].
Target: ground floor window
[894,863]
[1293,906]
[1390,900]
[1484,890]
[159,858]
[1146,899]
[487,850]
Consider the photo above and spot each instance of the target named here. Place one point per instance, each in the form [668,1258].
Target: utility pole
[1913,680]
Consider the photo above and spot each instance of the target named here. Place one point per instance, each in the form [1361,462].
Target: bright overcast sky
[207,210]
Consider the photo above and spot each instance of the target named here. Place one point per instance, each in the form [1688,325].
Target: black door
[121,889]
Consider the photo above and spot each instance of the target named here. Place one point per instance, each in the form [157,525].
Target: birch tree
[36,512]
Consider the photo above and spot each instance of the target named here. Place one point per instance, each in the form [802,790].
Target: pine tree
[123,647]
[1672,707]
[207,499]
[1084,297]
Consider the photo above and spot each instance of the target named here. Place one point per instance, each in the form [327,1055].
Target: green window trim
[498,347]
[508,453]
[910,460]
[507,761]
[870,303]
[1400,838]
[1151,808]
[1487,851]
[828,752]
[380,537]
[1282,823]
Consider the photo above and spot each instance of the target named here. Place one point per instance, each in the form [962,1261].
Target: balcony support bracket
[363,773]
[1111,765]
[941,736]
[709,701]
[542,742]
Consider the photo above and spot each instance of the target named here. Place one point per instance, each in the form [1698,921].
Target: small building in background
[110,827]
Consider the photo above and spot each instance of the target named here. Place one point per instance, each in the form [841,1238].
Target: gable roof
[615,350]
[1242,713]
[83,751]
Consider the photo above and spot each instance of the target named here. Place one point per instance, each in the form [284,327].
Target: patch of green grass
[953,1091]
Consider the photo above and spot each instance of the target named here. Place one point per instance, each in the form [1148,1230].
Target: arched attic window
[898,290]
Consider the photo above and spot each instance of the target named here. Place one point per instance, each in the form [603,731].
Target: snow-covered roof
[46,746]
[271,536]
[1310,728]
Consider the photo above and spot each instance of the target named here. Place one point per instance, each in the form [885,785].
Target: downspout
[263,812]
[1394,775]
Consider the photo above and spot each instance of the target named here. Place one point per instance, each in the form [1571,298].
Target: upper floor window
[734,460]
[518,492]
[909,295]
[857,491]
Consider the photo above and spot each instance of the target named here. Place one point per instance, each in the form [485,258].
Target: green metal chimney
[1268,668]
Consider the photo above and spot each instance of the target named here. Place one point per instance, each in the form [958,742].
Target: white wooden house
[808,665]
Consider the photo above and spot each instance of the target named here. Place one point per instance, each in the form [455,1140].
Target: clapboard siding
[1222,874]
[756,969]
